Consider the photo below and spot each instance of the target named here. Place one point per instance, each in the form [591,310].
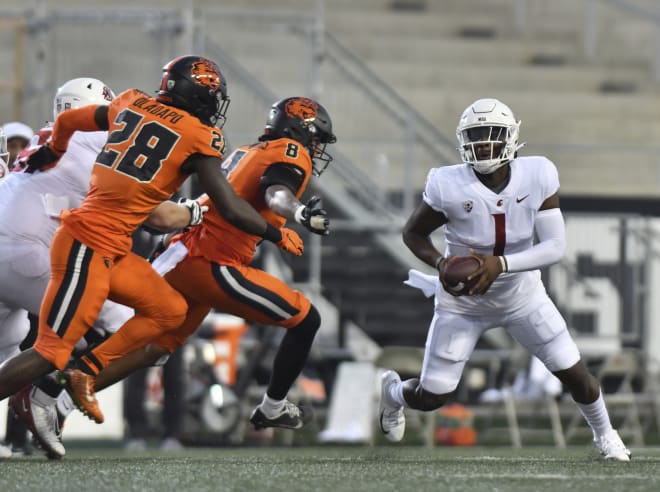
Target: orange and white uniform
[139,167]
[215,272]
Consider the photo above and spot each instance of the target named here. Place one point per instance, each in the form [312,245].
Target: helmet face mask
[80,92]
[196,85]
[306,121]
[487,134]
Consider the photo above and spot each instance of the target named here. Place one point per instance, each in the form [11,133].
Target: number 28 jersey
[493,224]
[138,168]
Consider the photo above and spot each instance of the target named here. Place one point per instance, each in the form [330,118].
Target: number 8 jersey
[493,224]
[139,167]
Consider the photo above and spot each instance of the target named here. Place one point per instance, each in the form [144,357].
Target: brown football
[456,271]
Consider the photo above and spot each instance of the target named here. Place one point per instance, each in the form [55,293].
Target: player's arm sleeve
[285,174]
[83,119]
[549,249]
[280,184]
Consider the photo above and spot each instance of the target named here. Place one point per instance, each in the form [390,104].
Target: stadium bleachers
[592,108]
[439,56]
[588,106]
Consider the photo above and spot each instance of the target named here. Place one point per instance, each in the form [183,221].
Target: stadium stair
[366,284]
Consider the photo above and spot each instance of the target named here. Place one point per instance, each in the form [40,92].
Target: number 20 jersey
[493,224]
[138,168]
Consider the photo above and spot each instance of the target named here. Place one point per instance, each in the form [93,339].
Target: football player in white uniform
[491,206]
[29,215]
[5,450]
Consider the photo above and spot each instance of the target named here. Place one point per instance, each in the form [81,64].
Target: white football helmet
[80,92]
[487,135]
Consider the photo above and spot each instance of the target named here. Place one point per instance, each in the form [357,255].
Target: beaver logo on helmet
[196,85]
[301,107]
[205,73]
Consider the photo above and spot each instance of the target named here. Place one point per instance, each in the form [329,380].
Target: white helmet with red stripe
[80,92]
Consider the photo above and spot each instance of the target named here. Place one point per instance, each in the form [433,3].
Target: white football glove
[197,211]
[312,218]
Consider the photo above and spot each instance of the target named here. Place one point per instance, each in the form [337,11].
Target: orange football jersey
[138,168]
[216,239]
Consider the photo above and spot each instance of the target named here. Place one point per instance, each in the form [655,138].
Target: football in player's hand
[455,271]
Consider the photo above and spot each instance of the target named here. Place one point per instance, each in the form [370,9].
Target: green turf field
[381,468]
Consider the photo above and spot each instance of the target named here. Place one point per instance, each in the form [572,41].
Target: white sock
[41,398]
[65,404]
[271,408]
[596,416]
[394,395]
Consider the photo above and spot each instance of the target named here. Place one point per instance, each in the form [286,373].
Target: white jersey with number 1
[486,222]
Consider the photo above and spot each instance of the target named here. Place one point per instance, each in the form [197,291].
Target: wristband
[272,234]
[298,216]
[503,263]
[438,262]
[58,153]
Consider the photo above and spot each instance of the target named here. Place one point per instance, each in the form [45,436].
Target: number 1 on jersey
[500,234]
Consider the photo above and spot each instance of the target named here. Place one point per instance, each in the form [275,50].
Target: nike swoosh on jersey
[518,200]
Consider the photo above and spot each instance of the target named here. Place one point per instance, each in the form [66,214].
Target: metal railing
[358,193]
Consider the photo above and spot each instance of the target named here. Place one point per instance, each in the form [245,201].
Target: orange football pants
[81,280]
[240,290]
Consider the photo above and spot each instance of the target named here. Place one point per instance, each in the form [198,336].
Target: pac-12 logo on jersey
[467,206]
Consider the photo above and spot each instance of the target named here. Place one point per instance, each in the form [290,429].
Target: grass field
[379,468]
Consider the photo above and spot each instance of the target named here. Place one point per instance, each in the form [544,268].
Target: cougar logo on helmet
[107,93]
[206,74]
[301,107]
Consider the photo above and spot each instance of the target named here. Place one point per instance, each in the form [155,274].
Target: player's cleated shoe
[392,420]
[292,416]
[80,386]
[41,418]
[611,447]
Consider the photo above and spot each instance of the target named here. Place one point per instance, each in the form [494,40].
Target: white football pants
[452,337]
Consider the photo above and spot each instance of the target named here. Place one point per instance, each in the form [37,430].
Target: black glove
[312,218]
[42,157]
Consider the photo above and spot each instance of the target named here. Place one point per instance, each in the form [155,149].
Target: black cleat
[292,416]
